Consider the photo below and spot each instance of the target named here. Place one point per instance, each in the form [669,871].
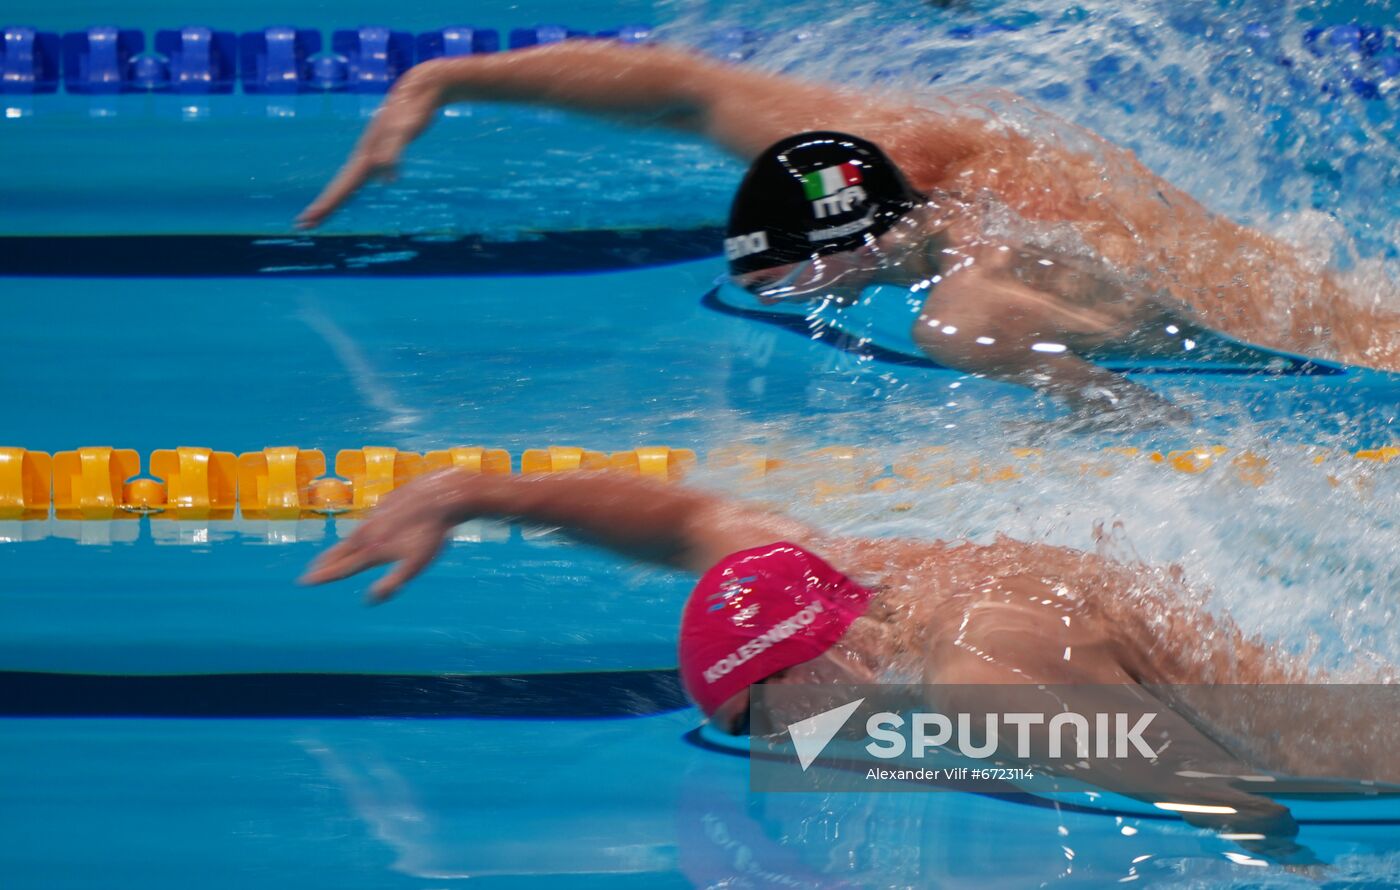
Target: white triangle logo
[811,736]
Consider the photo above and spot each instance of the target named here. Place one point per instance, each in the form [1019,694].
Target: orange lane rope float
[26,481]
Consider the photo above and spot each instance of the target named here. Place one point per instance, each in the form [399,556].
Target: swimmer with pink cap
[768,610]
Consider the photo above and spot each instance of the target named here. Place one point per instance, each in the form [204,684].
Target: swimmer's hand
[1096,417]
[405,113]
[1130,408]
[406,529]
[1264,828]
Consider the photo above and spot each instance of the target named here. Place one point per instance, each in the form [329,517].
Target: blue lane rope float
[457,40]
[29,61]
[101,60]
[278,60]
[375,57]
[521,38]
[1361,59]
[197,60]
[290,483]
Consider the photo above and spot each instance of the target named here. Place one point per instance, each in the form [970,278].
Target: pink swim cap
[757,612]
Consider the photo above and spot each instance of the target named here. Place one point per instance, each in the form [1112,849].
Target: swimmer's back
[1153,619]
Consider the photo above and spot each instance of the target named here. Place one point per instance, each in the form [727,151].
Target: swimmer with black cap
[769,609]
[1033,255]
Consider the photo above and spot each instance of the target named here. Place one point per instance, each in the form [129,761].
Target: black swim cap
[810,195]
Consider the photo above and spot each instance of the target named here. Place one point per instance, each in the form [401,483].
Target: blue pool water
[177,710]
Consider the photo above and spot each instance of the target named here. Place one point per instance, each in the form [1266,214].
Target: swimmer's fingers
[408,568]
[356,172]
[375,156]
[411,549]
[347,558]
[407,111]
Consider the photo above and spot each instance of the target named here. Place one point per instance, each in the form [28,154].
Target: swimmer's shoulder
[883,562]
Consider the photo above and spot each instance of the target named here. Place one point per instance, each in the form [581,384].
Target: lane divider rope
[287,482]
[196,59]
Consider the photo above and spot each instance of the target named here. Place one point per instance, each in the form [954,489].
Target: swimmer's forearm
[740,109]
[660,522]
[636,517]
[621,512]
[584,75]
[1088,387]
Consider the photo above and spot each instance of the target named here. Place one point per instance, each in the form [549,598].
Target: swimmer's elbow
[707,535]
[716,527]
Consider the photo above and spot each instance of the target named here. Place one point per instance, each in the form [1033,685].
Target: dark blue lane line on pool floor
[582,695]
[592,694]
[226,256]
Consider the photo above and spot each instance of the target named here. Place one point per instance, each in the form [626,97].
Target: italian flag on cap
[820,183]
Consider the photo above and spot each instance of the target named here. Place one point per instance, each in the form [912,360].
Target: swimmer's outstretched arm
[657,522]
[740,109]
